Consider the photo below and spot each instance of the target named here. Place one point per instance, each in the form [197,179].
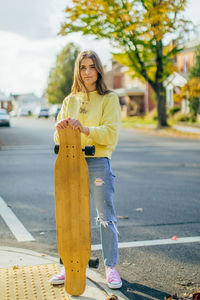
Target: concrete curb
[10,256]
[18,257]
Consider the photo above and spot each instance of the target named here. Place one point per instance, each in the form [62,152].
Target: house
[172,85]
[5,102]
[26,104]
[184,61]
[135,96]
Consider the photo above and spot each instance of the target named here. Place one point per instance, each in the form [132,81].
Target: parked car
[42,113]
[4,118]
[24,112]
[54,110]
[57,112]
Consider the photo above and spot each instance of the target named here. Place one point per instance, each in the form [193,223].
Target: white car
[23,112]
[42,112]
[4,118]
[54,110]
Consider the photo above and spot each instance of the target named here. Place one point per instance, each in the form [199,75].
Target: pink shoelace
[112,275]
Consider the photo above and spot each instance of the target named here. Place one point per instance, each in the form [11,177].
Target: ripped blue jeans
[101,181]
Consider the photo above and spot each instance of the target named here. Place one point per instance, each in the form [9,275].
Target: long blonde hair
[78,85]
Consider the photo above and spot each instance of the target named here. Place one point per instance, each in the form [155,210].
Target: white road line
[194,239]
[16,227]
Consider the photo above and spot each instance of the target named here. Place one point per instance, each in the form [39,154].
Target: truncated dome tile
[30,283]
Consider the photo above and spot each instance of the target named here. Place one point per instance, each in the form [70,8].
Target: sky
[29,42]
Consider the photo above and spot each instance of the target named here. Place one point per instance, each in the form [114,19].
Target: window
[185,64]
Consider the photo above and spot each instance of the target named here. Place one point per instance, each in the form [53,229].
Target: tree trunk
[159,88]
[161,106]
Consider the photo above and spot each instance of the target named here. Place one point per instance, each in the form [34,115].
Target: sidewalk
[25,274]
[186,129]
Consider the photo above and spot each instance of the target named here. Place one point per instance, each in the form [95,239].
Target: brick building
[5,102]
[135,96]
[184,61]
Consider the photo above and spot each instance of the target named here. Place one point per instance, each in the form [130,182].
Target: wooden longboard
[72,210]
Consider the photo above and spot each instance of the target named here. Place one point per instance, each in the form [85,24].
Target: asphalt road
[157,197]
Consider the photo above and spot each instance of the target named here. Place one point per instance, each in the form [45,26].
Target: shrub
[152,115]
[182,117]
[173,110]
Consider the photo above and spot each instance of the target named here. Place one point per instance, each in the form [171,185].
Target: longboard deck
[72,210]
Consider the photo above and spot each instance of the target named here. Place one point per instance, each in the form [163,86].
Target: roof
[133,91]
[3,97]
[192,44]
[175,79]
[29,97]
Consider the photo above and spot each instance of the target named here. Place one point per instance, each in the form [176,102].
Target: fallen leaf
[139,209]
[113,297]
[42,254]
[174,238]
[196,295]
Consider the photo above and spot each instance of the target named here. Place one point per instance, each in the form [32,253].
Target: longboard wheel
[93,262]
[56,149]
[89,150]
[61,261]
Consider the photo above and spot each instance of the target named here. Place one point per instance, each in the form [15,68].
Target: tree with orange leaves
[138,28]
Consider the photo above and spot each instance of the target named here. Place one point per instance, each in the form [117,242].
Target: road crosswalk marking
[194,239]
[15,226]
[23,235]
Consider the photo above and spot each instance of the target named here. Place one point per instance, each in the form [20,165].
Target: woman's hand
[62,124]
[76,124]
[73,124]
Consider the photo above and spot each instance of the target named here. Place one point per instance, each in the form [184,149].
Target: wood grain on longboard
[72,210]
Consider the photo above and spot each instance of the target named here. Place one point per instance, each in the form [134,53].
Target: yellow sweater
[101,114]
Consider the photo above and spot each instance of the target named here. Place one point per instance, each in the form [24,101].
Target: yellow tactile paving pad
[30,283]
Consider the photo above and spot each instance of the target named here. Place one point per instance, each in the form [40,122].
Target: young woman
[95,111]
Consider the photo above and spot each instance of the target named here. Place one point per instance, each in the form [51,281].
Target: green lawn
[138,122]
[148,125]
[147,122]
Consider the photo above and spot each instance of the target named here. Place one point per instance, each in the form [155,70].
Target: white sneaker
[58,278]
